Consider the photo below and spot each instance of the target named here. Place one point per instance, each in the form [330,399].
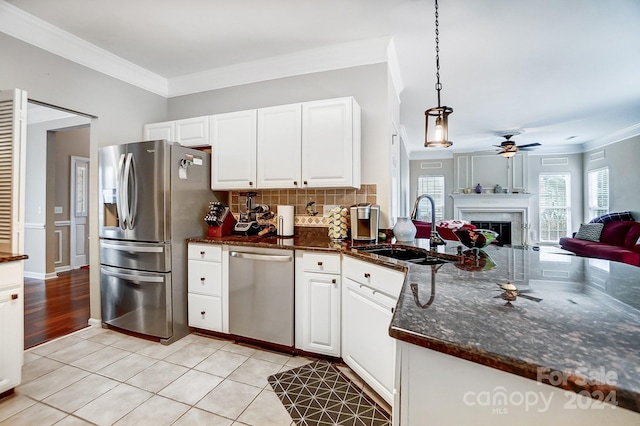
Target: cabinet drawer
[209,252]
[320,262]
[205,312]
[205,277]
[385,280]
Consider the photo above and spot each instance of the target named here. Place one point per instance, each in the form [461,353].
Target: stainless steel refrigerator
[153,195]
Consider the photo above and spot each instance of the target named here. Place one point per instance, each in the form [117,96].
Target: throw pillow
[590,231]
[612,217]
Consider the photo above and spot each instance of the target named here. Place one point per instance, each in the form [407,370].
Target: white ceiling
[566,73]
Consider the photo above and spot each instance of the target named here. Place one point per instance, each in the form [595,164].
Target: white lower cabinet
[11,324]
[434,388]
[369,295]
[208,287]
[318,302]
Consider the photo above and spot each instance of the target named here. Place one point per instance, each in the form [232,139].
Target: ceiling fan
[508,148]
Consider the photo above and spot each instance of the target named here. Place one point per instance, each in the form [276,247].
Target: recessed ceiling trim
[346,55]
[26,27]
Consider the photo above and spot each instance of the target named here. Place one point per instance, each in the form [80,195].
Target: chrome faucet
[434,238]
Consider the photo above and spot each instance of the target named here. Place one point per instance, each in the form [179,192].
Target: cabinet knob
[202,279]
[14,296]
[250,183]
[202,253]
[304,183]
[295,183]
[319,263]
[333,281]
[367,275]
[203,312]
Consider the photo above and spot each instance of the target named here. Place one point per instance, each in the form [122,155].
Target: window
[598,188]
[555,213]
[433,186]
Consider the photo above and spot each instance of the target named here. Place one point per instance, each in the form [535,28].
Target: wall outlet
[57,210]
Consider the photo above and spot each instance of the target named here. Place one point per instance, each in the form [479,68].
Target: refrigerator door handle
[133,179]
[133,277]
[119,200]
[126,181]
[133,249]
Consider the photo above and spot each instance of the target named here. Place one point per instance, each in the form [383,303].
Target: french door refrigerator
[153,195]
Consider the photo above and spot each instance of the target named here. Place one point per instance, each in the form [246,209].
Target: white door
[13,136]
[321,304]
[79,243]
[279,143]
[233,150]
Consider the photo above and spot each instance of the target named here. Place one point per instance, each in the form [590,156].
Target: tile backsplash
[300,197]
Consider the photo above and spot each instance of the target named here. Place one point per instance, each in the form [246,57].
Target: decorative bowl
[476,238]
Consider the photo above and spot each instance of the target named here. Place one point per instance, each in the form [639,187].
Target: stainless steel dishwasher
[261,300]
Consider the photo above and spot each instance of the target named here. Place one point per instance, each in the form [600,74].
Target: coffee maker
[365,221]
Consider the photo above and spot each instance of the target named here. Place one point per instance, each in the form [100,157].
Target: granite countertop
[12,257]
[586,324]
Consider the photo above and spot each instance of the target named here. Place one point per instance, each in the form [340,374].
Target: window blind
[598,189]
[6,173]
[554,206]
[434,187]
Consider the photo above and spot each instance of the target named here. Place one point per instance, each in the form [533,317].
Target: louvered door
[13,125]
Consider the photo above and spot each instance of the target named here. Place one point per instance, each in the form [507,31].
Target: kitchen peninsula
[573,323]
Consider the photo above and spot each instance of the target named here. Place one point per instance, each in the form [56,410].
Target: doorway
[78,212]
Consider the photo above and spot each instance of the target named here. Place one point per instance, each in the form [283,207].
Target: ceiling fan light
[508,154]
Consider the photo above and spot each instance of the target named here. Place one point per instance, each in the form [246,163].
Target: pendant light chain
[438,84]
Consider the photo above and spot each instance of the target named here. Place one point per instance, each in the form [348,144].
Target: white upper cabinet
[233,150]
[331,143]
[193,131]
[157,131]
[187,132]
[278,146]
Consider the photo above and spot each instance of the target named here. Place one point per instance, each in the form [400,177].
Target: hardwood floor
[55,307]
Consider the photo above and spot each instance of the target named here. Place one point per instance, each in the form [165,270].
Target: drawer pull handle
[14,296]
[202,253]
[202,279]
[319,263]
[203,312]
[367,275]
[295,183]
[250,183]
[333,281]
[305,182]
[392,310]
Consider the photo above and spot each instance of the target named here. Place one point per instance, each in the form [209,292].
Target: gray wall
[367,84]
[121,110]
[624,174]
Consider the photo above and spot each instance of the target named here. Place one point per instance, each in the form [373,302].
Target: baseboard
[93,322]
[40,276]
[63,268]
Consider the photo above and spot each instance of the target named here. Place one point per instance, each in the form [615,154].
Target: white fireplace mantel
[478,206]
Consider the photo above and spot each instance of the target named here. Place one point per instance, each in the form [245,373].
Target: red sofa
[618,241]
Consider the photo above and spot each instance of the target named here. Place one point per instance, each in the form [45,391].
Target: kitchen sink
[428,261]
[400,253]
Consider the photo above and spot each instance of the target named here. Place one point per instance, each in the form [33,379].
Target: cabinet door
[321,313]
[205,312]
[233,150]
[193,131]
[279,146]
[11,335]
[159,131]
[366,345]
[331,143]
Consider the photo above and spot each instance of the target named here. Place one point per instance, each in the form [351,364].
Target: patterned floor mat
[317,394]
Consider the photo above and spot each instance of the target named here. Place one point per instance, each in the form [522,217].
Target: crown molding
[620,135]
[26,27]
[346,55]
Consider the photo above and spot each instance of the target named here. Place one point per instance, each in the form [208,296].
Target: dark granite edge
[624,398]
[11,257]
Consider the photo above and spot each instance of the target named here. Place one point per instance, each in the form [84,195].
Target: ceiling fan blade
[529,145]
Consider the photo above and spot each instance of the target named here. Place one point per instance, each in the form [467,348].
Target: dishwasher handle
[265,257]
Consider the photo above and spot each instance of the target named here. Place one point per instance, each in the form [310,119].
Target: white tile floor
[99,376]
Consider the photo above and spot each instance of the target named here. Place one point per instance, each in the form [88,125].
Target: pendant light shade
[436,134]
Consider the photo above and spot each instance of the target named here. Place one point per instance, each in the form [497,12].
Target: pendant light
[439,137]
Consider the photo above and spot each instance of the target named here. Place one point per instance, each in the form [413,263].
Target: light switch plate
[57,210]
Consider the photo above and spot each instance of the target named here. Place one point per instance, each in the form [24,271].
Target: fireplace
[496,208]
